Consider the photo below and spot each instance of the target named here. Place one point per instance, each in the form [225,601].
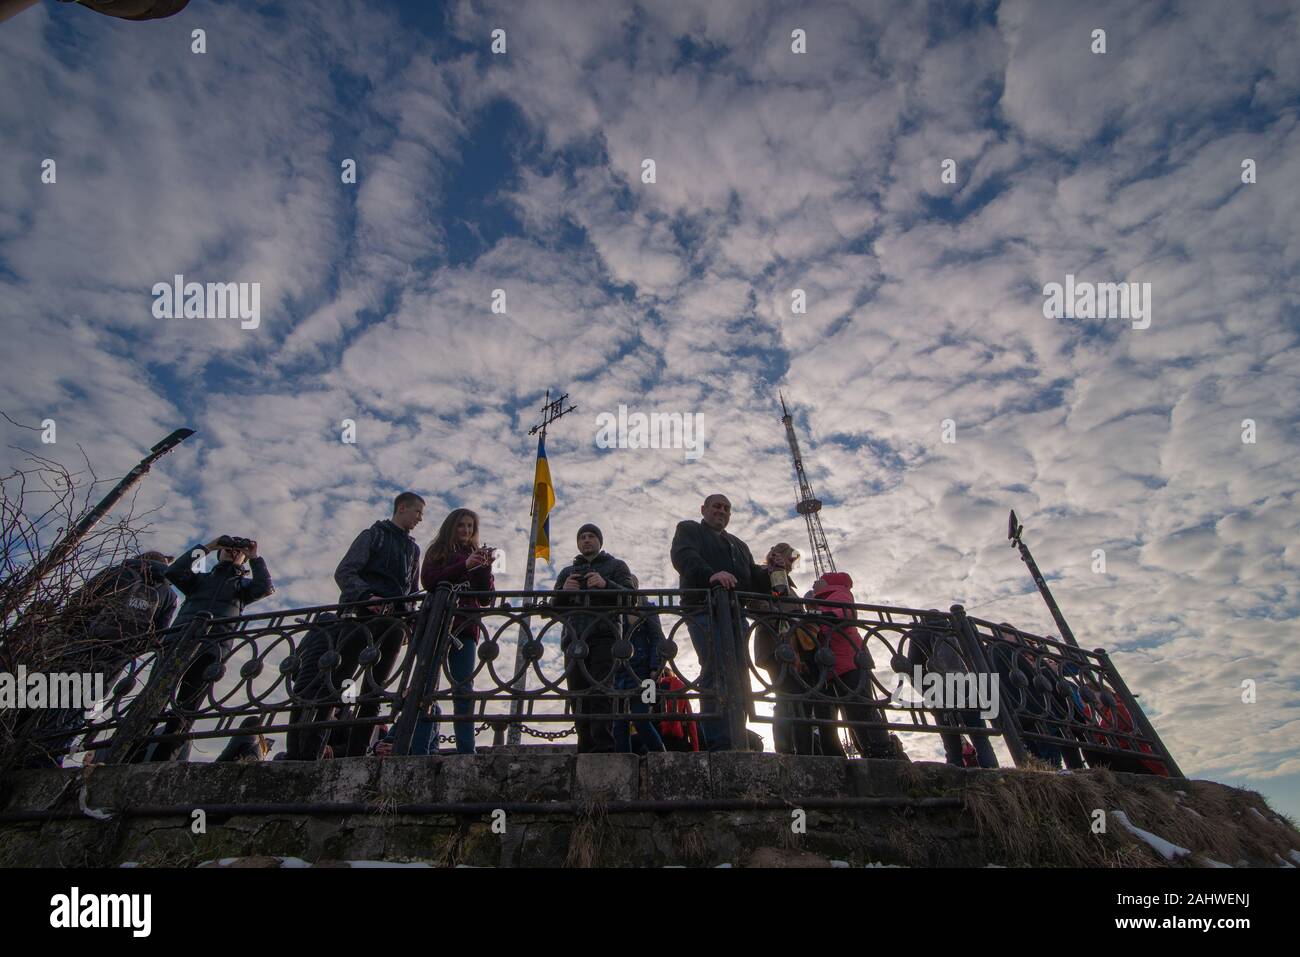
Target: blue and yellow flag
[543,502]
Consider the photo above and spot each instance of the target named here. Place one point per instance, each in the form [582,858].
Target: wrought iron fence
[824,677]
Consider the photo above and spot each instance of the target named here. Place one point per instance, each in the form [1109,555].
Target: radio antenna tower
[808,505]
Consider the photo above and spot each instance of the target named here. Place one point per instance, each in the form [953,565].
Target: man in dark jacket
[383,562]
[223,591]
[594,582]
[705,555]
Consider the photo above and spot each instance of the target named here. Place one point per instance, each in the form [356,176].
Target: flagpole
[530,570]
[550,412]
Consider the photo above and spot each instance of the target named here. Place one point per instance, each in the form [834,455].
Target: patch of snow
[1162,847]
[878,864]
[1255,812]
[388,864]
[1001,867]
[1295,856]
[721,865]
[1191,812]
[1282,862]
[137,864]
[839,863]
[292,862]
[1211,862]
[97,814]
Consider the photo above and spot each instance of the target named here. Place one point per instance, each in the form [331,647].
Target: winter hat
[589,527]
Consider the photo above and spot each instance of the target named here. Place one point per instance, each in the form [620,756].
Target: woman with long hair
[455,556]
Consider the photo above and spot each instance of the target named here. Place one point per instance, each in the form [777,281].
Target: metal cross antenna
[550,412]
[808,505]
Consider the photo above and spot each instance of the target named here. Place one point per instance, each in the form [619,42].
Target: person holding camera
[593,583]
[223,591]
[456,557]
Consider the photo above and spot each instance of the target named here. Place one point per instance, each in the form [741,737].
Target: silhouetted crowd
[121,610]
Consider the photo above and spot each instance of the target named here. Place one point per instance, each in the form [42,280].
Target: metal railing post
[730,689]
[1006,720]
[428,641]
[1139,716]
[170,665]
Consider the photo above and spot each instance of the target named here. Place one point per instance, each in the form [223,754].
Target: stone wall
[512,809]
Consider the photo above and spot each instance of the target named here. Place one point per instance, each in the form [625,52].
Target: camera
[235,542]
[580,571]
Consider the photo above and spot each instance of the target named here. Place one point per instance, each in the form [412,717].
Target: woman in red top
[455,556]
[845,642]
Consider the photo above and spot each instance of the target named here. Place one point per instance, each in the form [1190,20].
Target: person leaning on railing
[455,556]
[591,590]
[705,555]
[224,591]
[382,563]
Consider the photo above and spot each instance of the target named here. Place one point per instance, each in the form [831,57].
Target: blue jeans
[645,730]
[715,732]
[460,664]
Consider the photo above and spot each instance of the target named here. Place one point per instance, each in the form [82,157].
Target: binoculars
[235,542]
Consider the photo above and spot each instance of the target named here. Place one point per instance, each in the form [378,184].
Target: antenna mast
[808,505]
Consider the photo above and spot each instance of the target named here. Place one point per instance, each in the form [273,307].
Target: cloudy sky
[774,171]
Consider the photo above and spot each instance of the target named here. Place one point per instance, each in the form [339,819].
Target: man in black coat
[705,555]
[593,581]
[223,591]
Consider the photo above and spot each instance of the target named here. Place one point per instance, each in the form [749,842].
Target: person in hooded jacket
[456,557]
[850,680]
[224,591]
[593,588]
[676,734]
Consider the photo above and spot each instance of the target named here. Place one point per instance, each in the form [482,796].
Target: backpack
[128,609]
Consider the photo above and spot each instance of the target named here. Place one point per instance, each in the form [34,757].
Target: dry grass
[588,835]
[1045,819]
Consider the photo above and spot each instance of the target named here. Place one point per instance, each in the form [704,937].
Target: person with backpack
[645,634]
[849,680]
[112,619]
[380,567]
[771,630]
[456,557]
[933,648]
[224,591]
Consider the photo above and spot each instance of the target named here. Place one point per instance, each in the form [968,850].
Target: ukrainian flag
[543,502]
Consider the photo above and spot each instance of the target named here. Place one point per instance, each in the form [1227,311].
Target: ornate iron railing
[823,677]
